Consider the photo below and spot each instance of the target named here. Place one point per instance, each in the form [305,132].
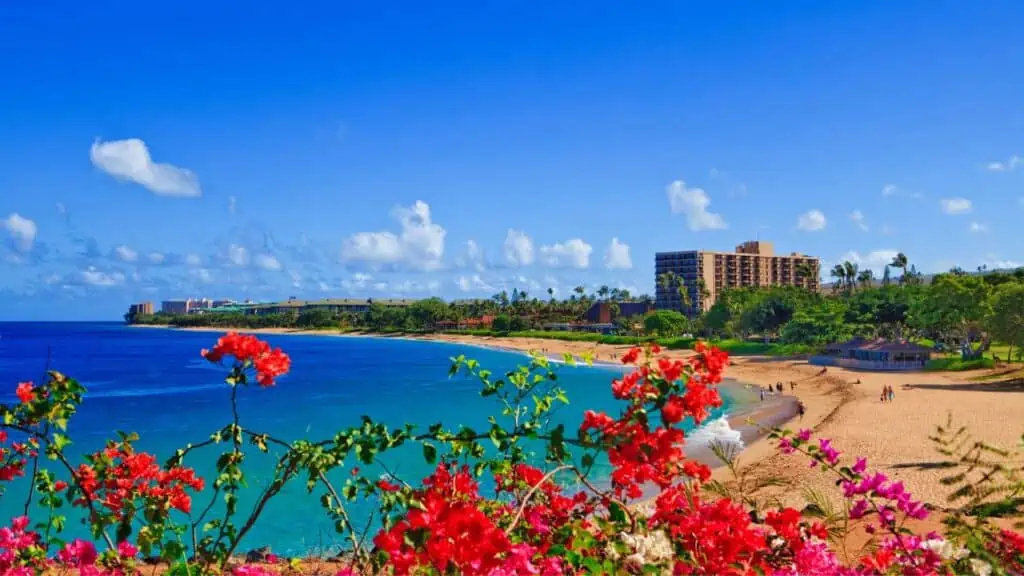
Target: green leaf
[429,452]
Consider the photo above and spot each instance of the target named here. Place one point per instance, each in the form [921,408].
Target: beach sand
[842,405]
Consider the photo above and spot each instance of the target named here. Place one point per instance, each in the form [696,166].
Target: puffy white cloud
[125,254]
[193,260]
[993,262]
[471,283]
[955,205]
[130,160]
[238,255]
[518,248]
[978,227]
[93,277]
[573,253]
[157,257]
[1008,166]
[202,275]
[811,221]
[358,281]
[324,287]
[616,257]
[875,260]
[420,243]
[267,262]
[22,231]
[693,203]
[858,220]
[889,190]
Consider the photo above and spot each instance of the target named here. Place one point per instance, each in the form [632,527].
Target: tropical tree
[900,261]
[805,270]
[1006,321]
[838,274]
[866,278]
[850,275]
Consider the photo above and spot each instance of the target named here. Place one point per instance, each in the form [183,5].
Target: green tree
[900,261]
[952,308]
[665,323]
[502,323]
[1005,322]
[820,323]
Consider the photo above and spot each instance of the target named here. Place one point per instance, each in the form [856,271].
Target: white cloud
[94,277]
[238,255]
[130,160]
[296,279]
[125,254]
[324,287]
[993,262]
[193,260]
[202,275]
[471,283]
[978,227]
[811,221]
[875,260]
[420,243]
[157,257]
[266,262]
[518,248]
[955,205]
[474,257]
[232,204]
[358,281]
[1008,166]
[617,256]
[889,189]
[693,202]
[858,220]
[22,231]
[573,253]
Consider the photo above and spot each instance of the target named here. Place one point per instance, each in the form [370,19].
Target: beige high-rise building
[754,263]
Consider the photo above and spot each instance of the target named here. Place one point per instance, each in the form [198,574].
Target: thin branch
[530,493]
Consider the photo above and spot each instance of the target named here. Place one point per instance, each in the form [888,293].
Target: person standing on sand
[762,394]
[800,408]
[892,394]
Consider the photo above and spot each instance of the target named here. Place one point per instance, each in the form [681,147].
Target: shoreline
[841,404]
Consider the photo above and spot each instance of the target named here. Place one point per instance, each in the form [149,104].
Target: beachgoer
[892,394]
[762,394]
[792,385]
[801,409]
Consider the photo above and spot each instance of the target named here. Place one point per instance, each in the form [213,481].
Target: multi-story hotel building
[754,263]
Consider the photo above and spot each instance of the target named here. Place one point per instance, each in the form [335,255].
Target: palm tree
[866,278]
[805,271]
[900,261]
[838,274]
[551,293]
[603,292]
[850,272]
[702,290]
[684,299]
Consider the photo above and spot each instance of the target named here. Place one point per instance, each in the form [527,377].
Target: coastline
[842,405]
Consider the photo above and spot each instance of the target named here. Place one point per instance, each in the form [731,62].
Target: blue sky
[265,150]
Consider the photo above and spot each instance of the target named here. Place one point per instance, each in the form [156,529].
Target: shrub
[530,523]
[957,364]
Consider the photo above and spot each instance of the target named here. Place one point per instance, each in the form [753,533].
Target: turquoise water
[154,382]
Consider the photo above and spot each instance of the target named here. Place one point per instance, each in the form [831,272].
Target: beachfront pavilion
[875,355]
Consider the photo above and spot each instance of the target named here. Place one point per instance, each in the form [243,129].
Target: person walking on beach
[762,394]
[892,394]
[801,409]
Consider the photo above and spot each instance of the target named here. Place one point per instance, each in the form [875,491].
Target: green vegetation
[975,319]
[955,364]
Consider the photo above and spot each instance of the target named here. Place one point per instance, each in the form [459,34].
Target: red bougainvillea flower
[26,392]
[248,350]
[119,477]
[454,534]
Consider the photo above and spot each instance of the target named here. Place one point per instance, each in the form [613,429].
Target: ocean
[154,382]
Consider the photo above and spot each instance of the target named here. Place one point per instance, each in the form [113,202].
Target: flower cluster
[639,450]
[120,479]
[249,351]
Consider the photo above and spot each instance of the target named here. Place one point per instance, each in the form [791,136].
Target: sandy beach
[843,405]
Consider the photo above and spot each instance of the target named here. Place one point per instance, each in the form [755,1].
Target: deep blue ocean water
[154,382]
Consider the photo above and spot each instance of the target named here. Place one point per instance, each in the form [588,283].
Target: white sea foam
[717,430]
